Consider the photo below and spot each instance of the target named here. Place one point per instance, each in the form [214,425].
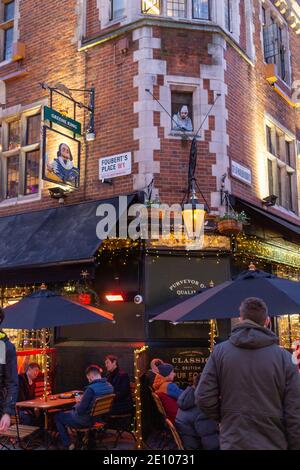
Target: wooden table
[53,402]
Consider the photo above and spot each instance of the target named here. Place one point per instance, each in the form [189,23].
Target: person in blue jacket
[8,379]
[79,416]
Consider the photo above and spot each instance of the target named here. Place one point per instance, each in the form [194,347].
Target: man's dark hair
[33,365]
[94,369]
[2,315]
[254,309]
[112,358]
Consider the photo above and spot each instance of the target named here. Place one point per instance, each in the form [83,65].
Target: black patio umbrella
[45,309]
[281,296]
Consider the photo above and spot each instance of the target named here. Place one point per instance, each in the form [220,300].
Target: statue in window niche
[181,121]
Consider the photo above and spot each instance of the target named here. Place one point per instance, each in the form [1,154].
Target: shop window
[182,111]
[281,166]
[201,9]
[275,42]
[21,156]
[7,28]
[117,9]
[151,7]
[176,8]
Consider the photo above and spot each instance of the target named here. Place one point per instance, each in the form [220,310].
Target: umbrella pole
[44,352]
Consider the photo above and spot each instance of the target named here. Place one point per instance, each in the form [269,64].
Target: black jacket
[120,381]
[195,429]
[26,391]
[8,379]
[251,386]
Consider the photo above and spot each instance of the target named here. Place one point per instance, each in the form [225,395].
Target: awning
[49,237]
[284,224]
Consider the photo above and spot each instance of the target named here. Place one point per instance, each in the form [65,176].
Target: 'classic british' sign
[115,165]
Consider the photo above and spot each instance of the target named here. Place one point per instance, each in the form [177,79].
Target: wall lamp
[270,200]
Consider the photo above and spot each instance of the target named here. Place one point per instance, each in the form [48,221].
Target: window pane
[33,129]
[176,8]
[14,135]
[117,8]
[270,177]
[269,140]
[8,41]
[279,174]
[289,194]
[182,111]
[151,7]
[201,9]
[32,169]
[12,177]
[228,14]
[9,11]
[288,152]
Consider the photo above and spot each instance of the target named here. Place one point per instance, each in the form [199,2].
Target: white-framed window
[275,40]
[7,20]
[117,9]
[21,157]
[281,166]
[194,9]
[228,15]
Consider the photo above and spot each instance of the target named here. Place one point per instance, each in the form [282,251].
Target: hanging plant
[231,223]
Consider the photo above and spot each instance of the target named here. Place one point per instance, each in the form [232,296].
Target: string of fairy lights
[138,353]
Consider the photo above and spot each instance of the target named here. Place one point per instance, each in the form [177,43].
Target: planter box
[230,227]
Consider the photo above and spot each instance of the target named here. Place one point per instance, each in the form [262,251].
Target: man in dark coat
[251,386]
[195,429]
[27,380]
[120,381]
[8,379]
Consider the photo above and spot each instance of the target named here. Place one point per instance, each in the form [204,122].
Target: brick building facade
[146,59]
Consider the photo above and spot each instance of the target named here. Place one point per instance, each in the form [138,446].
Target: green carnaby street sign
[64,121]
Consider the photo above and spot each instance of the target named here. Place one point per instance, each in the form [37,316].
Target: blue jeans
[65,420]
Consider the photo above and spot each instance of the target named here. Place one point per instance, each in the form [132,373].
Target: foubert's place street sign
[115,165]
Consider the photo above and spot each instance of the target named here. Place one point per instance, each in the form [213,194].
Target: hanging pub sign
[54,116]
[61,158]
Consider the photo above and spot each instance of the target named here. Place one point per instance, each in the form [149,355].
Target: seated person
[153,371]
[196,430]
[27,392]
[80,416]
[120,381]
[167,390]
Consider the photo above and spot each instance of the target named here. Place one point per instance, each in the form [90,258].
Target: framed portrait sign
[61,158]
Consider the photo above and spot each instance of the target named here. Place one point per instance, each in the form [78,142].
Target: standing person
[195,429]
[120,381]
[80,416]
[251,386]
[8,378]
[27,392]
[167,390]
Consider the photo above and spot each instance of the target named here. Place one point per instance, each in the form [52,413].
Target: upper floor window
[182,111]
[275,42]
[200,9]
[117,9]
[228,15]
[281,164]
[20,166]
[7,28]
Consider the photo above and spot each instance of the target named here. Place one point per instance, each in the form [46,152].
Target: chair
[169,426]
[17,433]
[101,407]
[122,423]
